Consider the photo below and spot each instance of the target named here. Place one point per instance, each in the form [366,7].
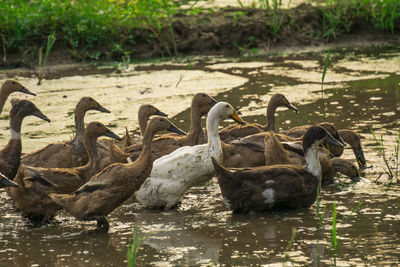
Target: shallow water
[362,91]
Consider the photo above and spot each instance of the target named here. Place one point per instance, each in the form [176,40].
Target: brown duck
[292,153]
[108,189]
[66,154]
[163,145]
[277,186]
[233,132]
[10,155]
[9,87]
[35,183]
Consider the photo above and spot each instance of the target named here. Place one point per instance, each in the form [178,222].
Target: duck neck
[3,97]
[212,124]
[195,131]
[271,117]
[79,124]
[94,164]
[313,165]
[146,154]
[14,147]
[143,118]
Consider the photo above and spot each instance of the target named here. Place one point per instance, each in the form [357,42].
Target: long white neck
[311,157]
[212,124]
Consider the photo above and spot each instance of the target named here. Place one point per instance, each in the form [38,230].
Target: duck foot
[102,225]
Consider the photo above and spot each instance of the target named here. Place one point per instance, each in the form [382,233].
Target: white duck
[176,172]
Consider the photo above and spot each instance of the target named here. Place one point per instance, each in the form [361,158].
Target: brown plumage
[35,183]
[233,132]
[111,151]
[110,188]
[66,154]
[9,87]
[10,155]
[277,186]
[276,153]
[165,144]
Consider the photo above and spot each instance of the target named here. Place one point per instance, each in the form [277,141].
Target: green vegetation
[289,246]
[133,247]
[127,29]
[50,42]
[391,163]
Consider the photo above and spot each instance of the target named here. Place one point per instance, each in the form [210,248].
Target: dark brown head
[346,167]
[148,110]
[23,108]
[353,139]
[279,100]
[87,103]
[330,127]
[315,135]
[203,102]
[158,123]
[11,86]
[96,129]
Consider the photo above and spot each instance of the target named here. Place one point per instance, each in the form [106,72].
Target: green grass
[133,247]
[50,42]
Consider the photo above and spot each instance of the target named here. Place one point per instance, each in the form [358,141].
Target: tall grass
[289,246]
[391,170]
[50,42]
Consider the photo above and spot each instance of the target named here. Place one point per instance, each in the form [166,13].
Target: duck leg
[102,223]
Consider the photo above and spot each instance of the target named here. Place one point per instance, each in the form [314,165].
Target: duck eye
[13,82]
[97,124]
[204,95]
[161,119]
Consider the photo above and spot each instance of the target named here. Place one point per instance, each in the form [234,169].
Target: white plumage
[176,172]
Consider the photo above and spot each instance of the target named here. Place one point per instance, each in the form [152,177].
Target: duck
[10,155]
[233,132]
[35,183]
[176,172]
[114,152]
[353,139]
[107,190]
[292,153]
[9,87]
[70,153]
[5,182]
[165,144]
[282,186]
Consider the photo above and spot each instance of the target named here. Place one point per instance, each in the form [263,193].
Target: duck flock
[257,168]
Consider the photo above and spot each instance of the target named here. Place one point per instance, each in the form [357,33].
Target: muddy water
[361,91]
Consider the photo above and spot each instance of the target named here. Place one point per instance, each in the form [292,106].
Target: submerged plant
[50,42]
[290,245]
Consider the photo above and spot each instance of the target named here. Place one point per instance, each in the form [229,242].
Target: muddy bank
[229,31]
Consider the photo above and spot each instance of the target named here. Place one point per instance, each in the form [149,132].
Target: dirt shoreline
[228,32]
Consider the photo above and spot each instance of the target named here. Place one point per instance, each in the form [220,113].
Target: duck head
[97,129]
[88,103]
[353,140]
[347,168]
[203,102]
[331,129]
[150,110]
[224,110]
[158,123]
[23,108]
[5,182]
[315,135]
[279,100]
[11,86]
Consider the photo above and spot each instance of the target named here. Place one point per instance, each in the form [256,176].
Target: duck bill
[40,115]
[291,107]
[174,129]
[333,141]
[102,109]
[213,102]
[358,152]
[26,91]
[5,182]
[236,118]
[112,135]
[160,113]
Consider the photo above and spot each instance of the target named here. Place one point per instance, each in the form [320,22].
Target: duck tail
[127,139]
[220,169]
